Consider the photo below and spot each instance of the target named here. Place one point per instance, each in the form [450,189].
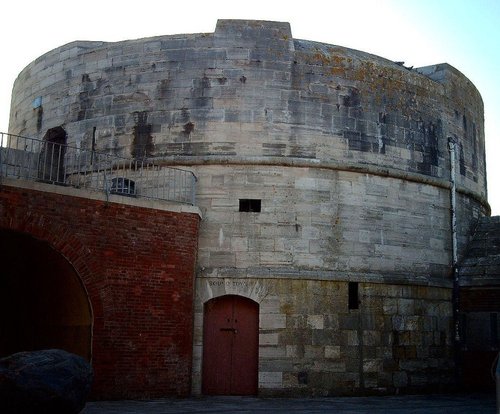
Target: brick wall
[137,265]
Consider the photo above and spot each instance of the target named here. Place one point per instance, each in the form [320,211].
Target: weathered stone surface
[479,276]
[481,264]
[346,152]
[48,381]
[315,335]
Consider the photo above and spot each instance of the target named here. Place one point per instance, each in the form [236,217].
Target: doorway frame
[236,300]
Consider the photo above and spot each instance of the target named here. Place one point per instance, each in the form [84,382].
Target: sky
[463,33]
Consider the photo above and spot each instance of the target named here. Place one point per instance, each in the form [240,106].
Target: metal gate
[230,346]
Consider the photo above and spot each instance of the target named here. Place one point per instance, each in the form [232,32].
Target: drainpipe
[456,284]
[453,203]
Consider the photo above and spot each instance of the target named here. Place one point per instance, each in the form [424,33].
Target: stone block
[371,321]
[390,306]
[371,338]
[315,321]
[350,322]
[239,244]
[329,366]
[371,380]
[419,379]
[270,379]
[268,338]
[331,321]
[245,260]
[260,244]
[293,351]
[352,362]
[271,352]
[325,337]
[406,306]
[237,54]
[222,259]
[352,338]
[272,321]
[400,379]
[270,304]
[332,352]
[313,351]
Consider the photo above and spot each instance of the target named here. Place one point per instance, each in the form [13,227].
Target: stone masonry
[480,304]
[346,154]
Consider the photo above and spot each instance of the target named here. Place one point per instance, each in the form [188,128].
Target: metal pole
[193,189]
[451,145]
[106,186]
[456,281]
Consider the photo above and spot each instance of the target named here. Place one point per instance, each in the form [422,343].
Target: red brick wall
[137,265]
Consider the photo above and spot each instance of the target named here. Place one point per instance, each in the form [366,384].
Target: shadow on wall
[43,303]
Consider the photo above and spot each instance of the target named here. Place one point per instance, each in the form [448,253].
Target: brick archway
[43,302]
[62,239]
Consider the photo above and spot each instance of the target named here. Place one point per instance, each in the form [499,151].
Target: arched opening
[51,166]
[43,303]
[230,346]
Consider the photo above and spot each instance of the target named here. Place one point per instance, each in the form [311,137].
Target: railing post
[106,186]
[193,189]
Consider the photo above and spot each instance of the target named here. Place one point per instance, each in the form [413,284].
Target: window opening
[353,295]
[123,186]
[51,166]
[250,205]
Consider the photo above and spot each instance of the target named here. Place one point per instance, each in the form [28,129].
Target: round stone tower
[325,251]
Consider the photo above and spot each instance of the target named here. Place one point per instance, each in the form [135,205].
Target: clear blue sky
[463,33]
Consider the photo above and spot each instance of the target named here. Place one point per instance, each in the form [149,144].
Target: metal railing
[55,163]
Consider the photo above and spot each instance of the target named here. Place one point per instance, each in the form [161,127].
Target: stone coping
[101,196]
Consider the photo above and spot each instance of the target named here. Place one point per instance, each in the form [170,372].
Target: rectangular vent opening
[250,205]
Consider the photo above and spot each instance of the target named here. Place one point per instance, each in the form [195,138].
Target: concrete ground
[408,404]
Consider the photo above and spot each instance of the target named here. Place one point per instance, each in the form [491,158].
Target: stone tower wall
[348,153]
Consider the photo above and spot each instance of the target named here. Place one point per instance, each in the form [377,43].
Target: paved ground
[434,404]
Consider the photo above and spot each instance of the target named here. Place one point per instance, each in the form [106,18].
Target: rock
[47,381]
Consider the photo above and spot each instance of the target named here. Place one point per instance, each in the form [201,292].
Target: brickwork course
[136,265]
[349,253]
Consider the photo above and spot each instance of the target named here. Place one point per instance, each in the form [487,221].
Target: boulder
[47,381]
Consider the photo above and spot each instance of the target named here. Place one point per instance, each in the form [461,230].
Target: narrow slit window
[353,295]
[250,205]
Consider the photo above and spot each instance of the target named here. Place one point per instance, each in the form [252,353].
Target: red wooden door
[230,346]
